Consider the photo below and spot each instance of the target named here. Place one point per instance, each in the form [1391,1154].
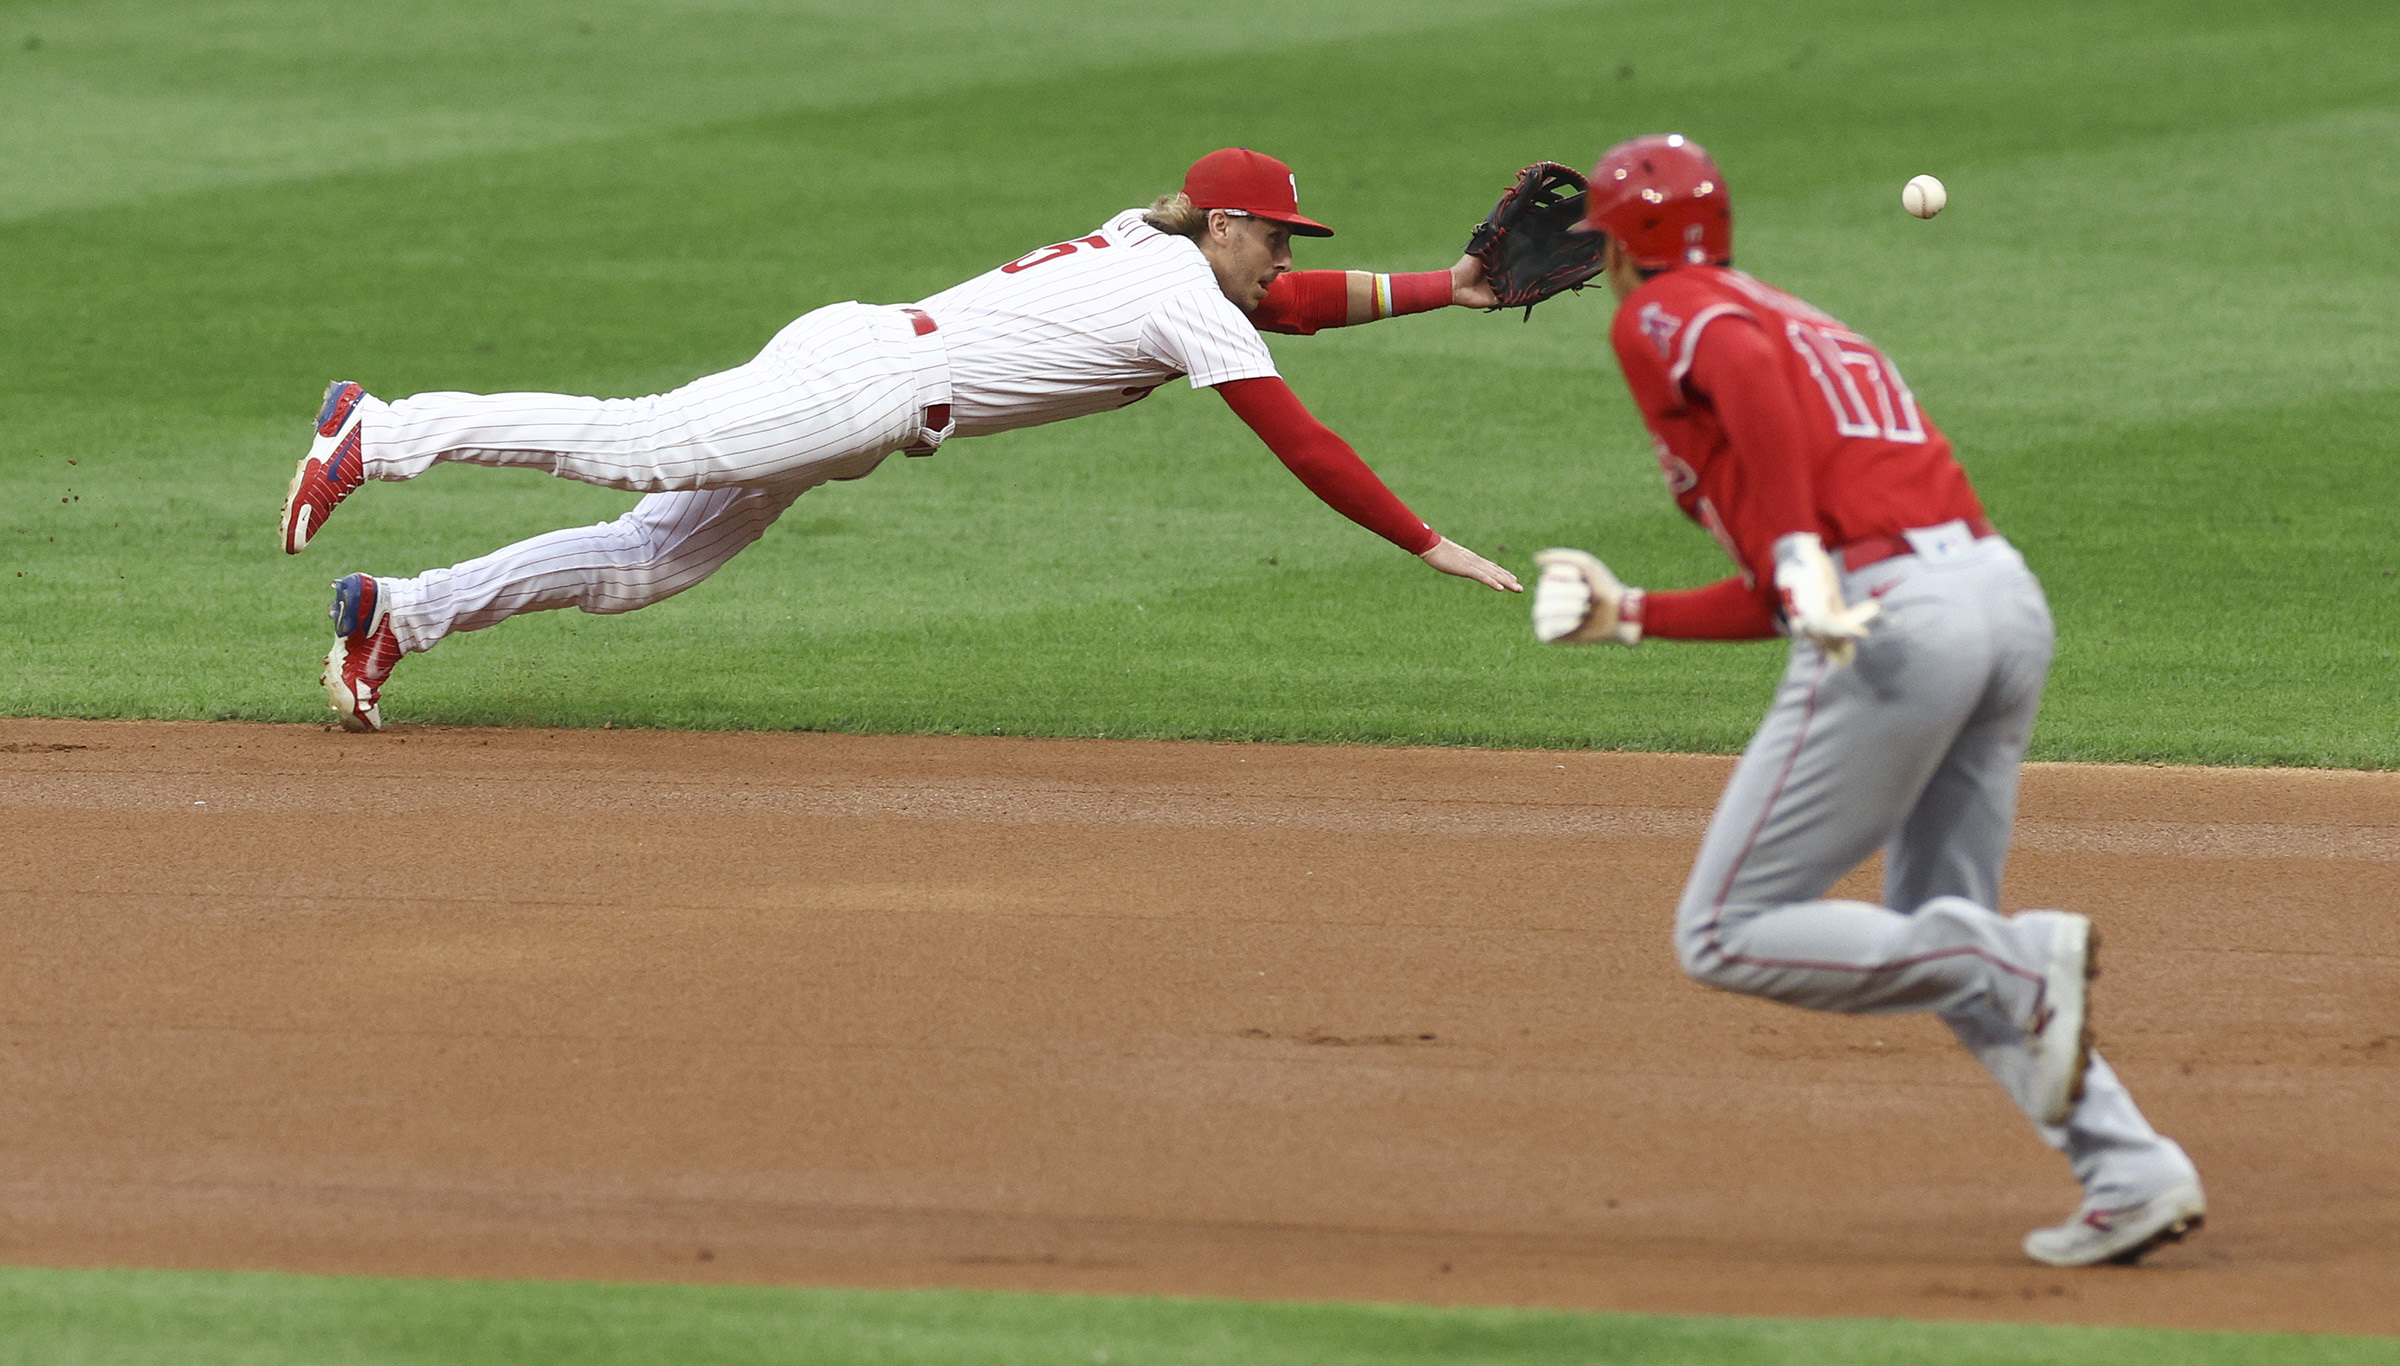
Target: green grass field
[2157,321]
[83,1318]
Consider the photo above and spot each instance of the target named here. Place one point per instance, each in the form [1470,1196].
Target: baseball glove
[1528,244]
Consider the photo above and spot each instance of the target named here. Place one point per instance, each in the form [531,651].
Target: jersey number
[1041,255]
[1862,388]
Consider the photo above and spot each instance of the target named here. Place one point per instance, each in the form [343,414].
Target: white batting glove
[1578,601]
[1812,598]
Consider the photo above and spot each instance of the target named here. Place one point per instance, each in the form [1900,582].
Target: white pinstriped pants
[1916,748]
[829,397]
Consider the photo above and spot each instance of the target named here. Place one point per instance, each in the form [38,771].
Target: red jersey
[1771,417]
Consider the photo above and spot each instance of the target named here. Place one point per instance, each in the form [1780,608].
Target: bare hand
[1452,558]
[1467,287]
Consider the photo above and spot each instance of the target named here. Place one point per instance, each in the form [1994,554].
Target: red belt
[1869,550]
[937,416]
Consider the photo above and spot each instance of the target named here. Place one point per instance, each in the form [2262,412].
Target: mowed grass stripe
[82,1318]
[2168,430]
[110,101]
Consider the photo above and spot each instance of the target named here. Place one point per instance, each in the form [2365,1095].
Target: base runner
[1919,647]
[1181,289]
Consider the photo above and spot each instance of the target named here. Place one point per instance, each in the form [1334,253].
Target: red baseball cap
[1254,183]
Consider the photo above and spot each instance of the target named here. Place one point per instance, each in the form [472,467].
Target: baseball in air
[1923,196]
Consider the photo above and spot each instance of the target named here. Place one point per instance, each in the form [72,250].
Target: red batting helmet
[1665,200]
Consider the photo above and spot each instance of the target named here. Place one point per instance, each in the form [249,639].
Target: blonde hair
[1173,213]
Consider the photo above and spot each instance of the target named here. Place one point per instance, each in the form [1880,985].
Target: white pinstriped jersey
[1088,325]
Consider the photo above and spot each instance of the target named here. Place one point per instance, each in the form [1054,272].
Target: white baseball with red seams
[1923,196]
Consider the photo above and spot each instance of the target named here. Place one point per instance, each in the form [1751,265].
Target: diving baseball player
[1181,289]
[1919,646]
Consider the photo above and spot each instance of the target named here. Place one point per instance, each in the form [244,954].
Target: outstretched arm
[1304,301]
[1579,600]
[1725,610]
[1332,471]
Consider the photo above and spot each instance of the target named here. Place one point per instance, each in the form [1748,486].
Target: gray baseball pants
[1914,748]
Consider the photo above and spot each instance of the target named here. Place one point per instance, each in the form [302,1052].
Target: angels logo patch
[1660,327]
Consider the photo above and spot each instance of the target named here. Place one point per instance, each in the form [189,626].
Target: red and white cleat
[331,471]
[364,656]
[2122,1234]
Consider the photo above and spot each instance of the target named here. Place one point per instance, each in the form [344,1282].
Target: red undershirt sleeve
[1419,292]
[1301,302]
[1325,462]
[1724,610]
[1736,371]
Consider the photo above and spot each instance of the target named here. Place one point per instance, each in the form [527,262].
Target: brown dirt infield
[1160,1018]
